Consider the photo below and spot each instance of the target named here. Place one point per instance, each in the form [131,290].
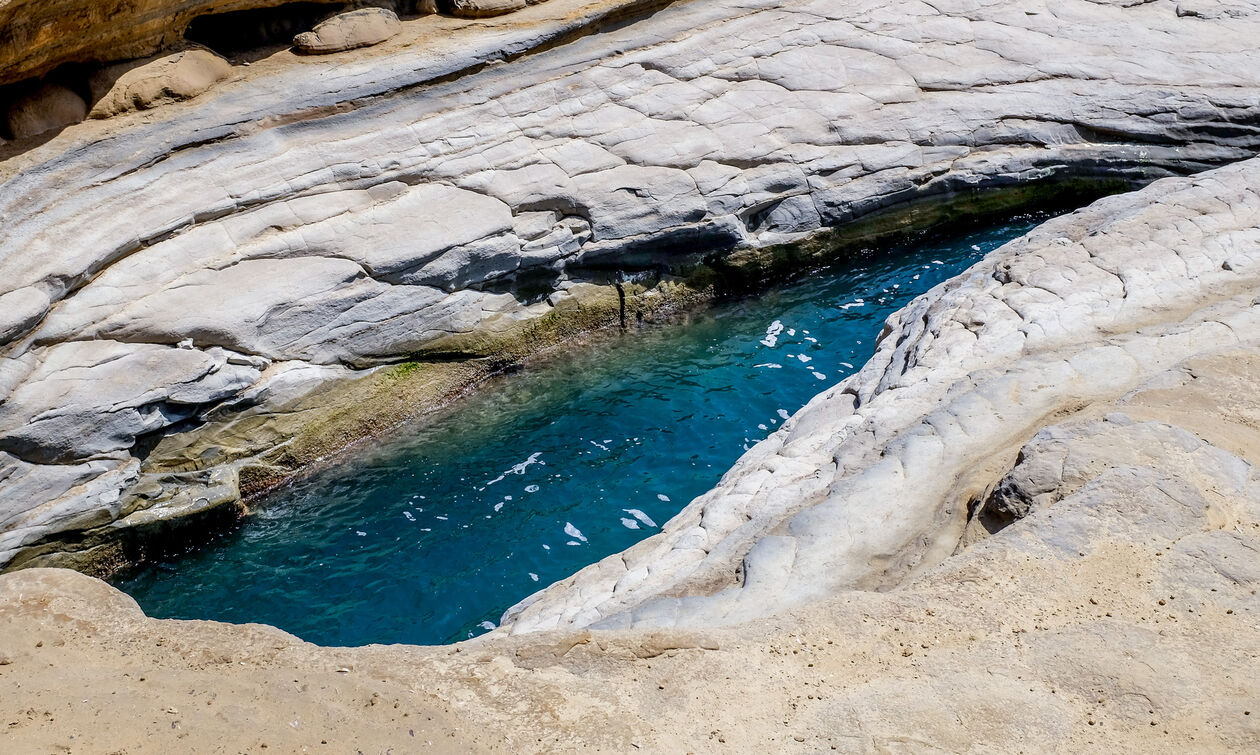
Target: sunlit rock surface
[1030,522]
[270,224]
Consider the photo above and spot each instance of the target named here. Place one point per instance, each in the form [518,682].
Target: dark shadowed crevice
[238,33]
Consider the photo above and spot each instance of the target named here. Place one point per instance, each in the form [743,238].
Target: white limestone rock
[347,212]
[21,311]
[91,398]
[868,485]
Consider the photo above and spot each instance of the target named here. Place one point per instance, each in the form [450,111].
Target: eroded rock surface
[145,84]
[1116,614]
[874,480]
[1029,523]
[348,31]
[347,215]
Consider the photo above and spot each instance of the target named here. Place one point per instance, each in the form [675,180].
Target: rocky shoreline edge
[1030,521]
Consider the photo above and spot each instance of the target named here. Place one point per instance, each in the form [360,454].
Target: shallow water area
[429,536]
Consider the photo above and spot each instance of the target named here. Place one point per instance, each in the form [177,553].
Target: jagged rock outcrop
[340,219]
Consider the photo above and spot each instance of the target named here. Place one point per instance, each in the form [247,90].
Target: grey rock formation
[348,31]
[349,214]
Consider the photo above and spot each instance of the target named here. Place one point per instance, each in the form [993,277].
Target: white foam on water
[783,414]
[531,488]
[498,506]
[659,497]
[360,533]
[791,331]
[854,303]
[573,532]
[976,247]
[761,426]
[804,358]
[937,262]
[599,445]
[546,547]
[410,517]
[629,524]
[819,375]
[811,339]
[772,334]
[426,529]
[846,364]
[440,518]
[507,497]
[771,366]
[637,514]
[573,542]
[518,468]
[533,576]
[487,625]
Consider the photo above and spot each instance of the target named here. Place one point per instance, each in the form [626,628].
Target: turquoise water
[430,536]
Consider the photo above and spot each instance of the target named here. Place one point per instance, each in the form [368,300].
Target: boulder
[145,84]
[347,31]
[52,106]
[484,8]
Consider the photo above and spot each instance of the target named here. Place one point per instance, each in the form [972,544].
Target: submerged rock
[347,31]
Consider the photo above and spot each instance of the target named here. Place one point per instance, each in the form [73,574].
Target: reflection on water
[429,537]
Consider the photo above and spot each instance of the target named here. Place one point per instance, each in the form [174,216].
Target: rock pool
[429,536]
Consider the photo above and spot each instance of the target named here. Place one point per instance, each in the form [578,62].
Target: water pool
[429,536]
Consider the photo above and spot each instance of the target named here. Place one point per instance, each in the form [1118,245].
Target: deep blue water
[431,535]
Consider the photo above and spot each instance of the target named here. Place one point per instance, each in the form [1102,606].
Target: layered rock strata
[297,229]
